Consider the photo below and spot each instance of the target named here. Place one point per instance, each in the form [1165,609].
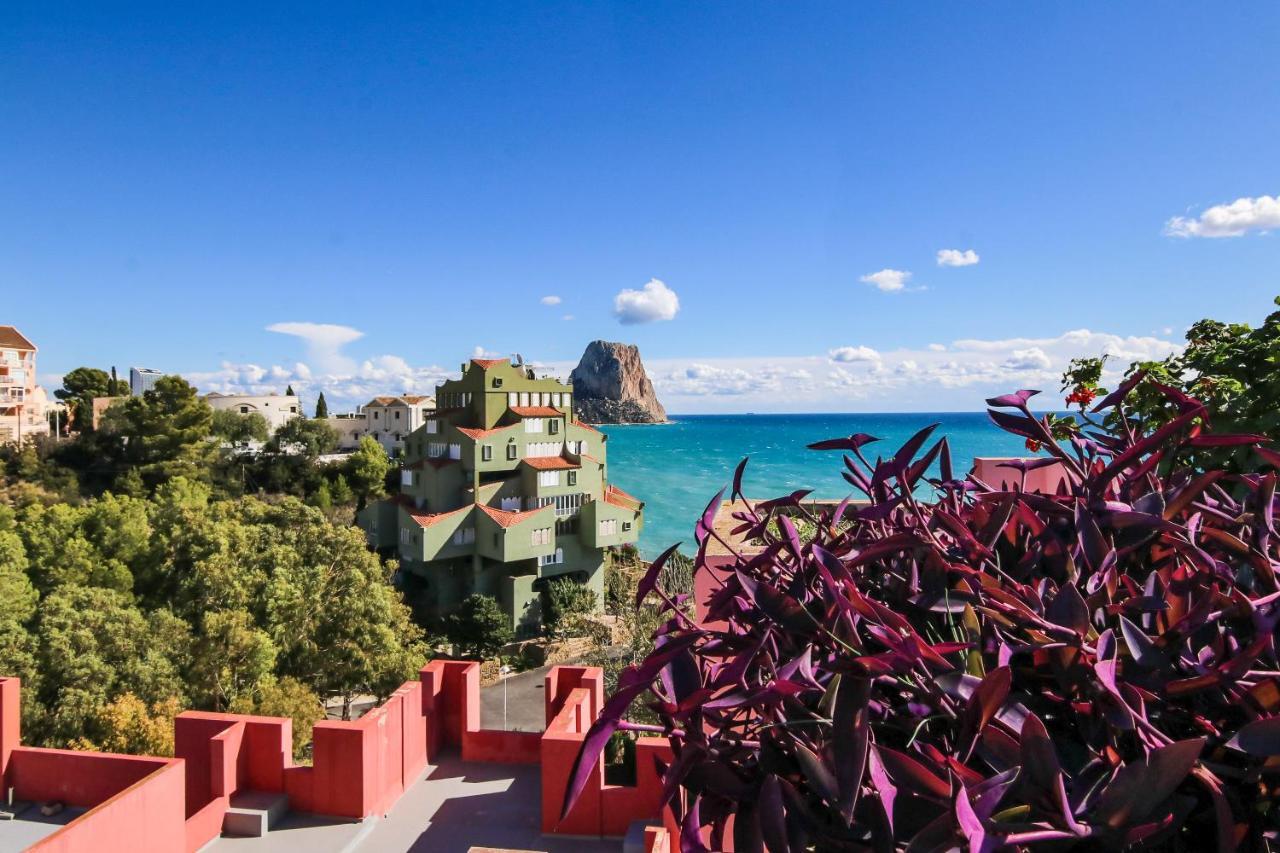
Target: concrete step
[633,842]
[253,813]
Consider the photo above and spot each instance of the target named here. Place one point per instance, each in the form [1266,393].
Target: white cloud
[890,281]
[324,342]
[957,258]
[1229,220]
[956,377]
[849,354]
[567,317]
[1032,358]
[550,300]
[655,301]
[480,352]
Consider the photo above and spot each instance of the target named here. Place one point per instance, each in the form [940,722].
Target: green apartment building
[502,490]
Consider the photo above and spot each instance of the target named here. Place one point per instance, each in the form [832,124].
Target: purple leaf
[1142,785]
[1018,399]
[853,442]
[651,575]
[1260,738]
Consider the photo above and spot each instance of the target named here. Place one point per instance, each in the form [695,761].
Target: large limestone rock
[611,387]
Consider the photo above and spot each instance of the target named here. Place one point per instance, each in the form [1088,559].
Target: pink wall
[993,472]
[601,809]
[145,817]
[10,714]
[458,704]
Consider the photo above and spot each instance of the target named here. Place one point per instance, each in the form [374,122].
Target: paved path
[453,806]
[526,709]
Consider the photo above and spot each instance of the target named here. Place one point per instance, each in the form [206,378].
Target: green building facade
[502,490]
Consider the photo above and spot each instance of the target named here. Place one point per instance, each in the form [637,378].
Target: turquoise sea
[677,468]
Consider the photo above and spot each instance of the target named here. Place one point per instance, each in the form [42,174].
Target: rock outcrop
[611,387]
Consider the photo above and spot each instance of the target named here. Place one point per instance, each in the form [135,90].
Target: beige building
[350,429]
[278,409]
[22,401]
[390,419]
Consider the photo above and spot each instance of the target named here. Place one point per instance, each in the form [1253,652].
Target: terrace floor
[30,826]
[454,806]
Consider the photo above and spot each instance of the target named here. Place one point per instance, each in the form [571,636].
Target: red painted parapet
[457,709]
[134,803]
[359,767]
[10,714]
[602,809]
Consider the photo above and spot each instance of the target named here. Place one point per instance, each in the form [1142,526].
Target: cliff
[611,387]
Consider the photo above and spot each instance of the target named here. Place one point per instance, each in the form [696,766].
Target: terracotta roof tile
[505,518]
[426,519]
[11,337]
[537,411]
[615,496]
[471,432]
[586,425]
[486,363]
[550,463]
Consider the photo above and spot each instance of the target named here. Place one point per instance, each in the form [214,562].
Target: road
[525,710]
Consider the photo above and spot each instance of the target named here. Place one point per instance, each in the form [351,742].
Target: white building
[142,380]
[278,409]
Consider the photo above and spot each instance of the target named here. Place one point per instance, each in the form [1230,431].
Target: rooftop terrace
[418,772]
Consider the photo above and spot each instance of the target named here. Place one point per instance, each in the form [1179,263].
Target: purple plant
[1094,669]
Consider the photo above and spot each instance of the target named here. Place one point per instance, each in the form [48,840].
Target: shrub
[1094,669]
[564,603]
[479,628]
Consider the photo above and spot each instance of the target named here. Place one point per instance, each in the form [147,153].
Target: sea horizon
[678,467]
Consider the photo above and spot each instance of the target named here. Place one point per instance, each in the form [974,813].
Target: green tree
[341,492]
[95,646]
[162,434]
[288,392]
[285,697]
[322,408]
[1234,368]
[366,469]
[304,437]
[232,658]
[478,627]
[80,386]
[236,428]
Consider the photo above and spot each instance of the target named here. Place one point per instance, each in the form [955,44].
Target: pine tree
[322,408]
[288,392]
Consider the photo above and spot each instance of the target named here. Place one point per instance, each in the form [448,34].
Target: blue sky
[177,181]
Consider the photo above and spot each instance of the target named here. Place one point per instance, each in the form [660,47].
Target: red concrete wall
[706,582]
[361,767]
[607,810]
[82,779]
[10,715]
[145,817]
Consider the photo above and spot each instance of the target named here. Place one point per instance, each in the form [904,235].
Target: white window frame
[548,478]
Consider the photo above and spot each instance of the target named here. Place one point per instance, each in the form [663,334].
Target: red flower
[1033,445]
[1082,396]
